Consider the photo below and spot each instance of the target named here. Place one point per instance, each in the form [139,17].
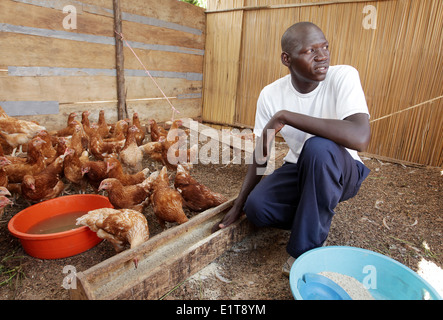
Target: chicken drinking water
[119,227]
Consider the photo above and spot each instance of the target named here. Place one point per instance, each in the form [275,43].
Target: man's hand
[233,215]
[268,134]
[252,178]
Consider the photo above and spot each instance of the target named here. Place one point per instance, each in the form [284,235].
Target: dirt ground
[398,212]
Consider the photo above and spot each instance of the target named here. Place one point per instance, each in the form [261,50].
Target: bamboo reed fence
[400,63]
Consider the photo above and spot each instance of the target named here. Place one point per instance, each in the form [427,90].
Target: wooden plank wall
[400,64]
[43,63]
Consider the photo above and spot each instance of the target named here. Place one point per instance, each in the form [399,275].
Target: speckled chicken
[120,227]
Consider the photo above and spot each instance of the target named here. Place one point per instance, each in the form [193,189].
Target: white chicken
[17,132]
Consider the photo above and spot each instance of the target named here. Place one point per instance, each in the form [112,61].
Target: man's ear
[285,59]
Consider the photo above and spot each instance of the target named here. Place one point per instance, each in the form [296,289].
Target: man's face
[308,59]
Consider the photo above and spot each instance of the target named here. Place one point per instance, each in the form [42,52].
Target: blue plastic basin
[383,277]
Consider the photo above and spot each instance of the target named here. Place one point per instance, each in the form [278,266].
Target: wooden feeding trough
[165,260]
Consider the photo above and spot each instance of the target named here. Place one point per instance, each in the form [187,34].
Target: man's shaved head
[306,54]
[294,35]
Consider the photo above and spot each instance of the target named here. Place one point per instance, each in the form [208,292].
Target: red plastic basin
[61,244]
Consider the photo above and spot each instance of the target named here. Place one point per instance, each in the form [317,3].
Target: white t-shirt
[339,96]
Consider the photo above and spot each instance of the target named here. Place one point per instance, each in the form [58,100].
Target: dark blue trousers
[302,197]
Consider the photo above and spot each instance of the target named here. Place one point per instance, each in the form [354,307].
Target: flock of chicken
[106,157]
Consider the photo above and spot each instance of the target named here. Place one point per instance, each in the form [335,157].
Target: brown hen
[102,127]
[197,196]
[3,175]
[166,202]
[69,129]
[156,130]
[46,184]
[94,172]
[35,162]
[115,170]
[102,149]
[135,197]
[72,169]
[140,135]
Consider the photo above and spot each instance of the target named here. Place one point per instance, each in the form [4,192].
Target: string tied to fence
[174,110]
[406,109]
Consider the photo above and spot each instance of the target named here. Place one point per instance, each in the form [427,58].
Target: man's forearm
[249,183]
[352,132]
